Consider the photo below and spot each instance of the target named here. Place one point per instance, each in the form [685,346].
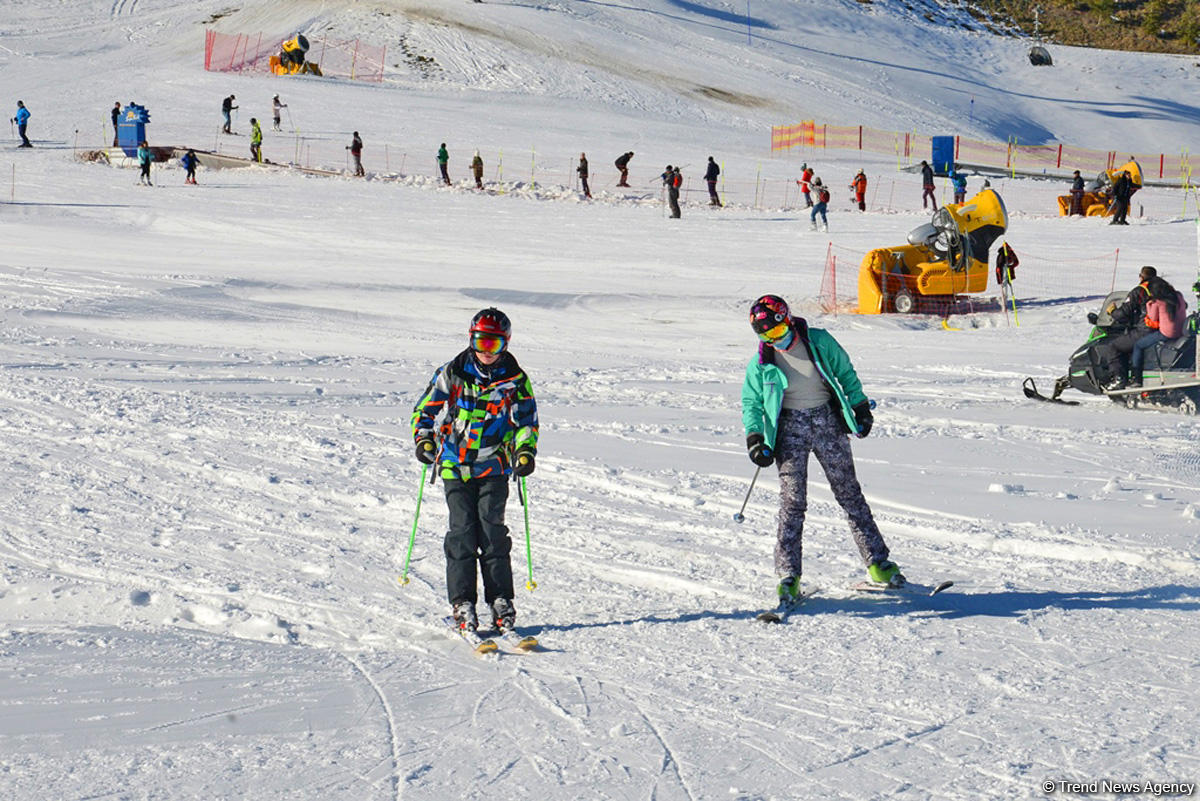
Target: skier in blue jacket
[22,119]
[145,157]
[800,396]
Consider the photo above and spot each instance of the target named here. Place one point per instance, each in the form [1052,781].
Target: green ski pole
[416,516]
[530,585]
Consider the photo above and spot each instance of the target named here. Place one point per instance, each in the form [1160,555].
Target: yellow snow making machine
[1097,200]
[290,60]
[946,257]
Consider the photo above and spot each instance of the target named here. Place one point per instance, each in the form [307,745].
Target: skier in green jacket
[801,395]
[255,140]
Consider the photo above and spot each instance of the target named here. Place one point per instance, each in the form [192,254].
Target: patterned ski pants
[817,431]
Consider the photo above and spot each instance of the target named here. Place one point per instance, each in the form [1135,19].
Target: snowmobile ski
[480,644]
[785,608]
[907,586]
[1031,391]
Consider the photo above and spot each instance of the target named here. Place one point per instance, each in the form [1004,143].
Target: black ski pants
[477,536]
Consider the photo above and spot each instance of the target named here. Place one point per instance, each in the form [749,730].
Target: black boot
[1135,377]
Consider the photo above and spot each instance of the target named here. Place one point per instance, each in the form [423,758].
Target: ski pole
[738,516]
[413,536]
[530,585]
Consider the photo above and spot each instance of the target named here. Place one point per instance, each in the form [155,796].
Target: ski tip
[486,647]
[945,585]
[528,644]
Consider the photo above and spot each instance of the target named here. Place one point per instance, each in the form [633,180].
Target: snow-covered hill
[208,470]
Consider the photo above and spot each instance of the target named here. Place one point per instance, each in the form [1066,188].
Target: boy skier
[801,395]
[22,121]
[490,430]
[189,162]
[144,157]
[255,140]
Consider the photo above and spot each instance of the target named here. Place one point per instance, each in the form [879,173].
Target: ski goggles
[488,343]
[775,332]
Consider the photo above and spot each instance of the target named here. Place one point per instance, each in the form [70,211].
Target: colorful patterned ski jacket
[490,413]
[762,391]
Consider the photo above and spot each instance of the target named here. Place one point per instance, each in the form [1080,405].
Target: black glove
[864,418]
[523,463]
[1092,318]
[426,450]
[760,453]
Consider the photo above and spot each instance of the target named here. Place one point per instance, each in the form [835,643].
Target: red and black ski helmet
[491,321]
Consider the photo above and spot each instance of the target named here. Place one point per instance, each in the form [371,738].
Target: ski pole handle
[416,516]
[530,585]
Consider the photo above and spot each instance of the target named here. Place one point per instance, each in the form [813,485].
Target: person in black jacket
[582,169]
[1130,316]
[1122,191]
[622,163]
[1077,194]
[116,117]
[710,175]
[927,186]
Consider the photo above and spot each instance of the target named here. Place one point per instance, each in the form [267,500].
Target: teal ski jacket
[762,391]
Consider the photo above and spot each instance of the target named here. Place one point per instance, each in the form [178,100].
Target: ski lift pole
[530,585]
[412,538]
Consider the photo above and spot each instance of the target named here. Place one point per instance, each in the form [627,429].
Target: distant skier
[189,162]
[622,163]
[711,173]
[276,105]
[806,175]
[443,158]
[356,147]
[116,118]
[144,157]
[927,187]
[477,170]
[672,180]
[255,140]
[1122,192]
[22,121]
[820,206]
[859,185]
[1006,271]
[582,169]
[227,108]
[489,431]
[959,182]
[801,395]
[1077,194]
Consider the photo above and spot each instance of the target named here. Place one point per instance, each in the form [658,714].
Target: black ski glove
[864,418]
[523,464]
[760,453]
[426,450]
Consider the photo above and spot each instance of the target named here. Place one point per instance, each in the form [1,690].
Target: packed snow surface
[205,395]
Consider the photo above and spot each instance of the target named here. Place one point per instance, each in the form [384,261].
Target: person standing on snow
[116,118]
[959,182]
[227,108]
[490,430]
[859,185]
[22,120]
[927,187]
[1077,194]
[355,147]
[443,158]
[477,170]
[276,105]
[144,157]
[710,176]
[622,163]
[189,162]
[582,169]
[806,176]
[821,205]
[1122,192]
[801,395]
[255,140]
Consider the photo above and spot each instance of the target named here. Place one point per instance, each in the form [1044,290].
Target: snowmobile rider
[1130,317]
[489,432]
[801,395]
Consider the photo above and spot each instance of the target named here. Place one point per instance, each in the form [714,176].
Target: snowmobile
[1171,374]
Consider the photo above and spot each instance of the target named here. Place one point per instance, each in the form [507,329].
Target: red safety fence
[352,59]
[1037,281]
[1012,155]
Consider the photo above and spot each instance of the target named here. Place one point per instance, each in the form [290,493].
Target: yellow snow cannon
[947,256]
[290,60]
[1097,200]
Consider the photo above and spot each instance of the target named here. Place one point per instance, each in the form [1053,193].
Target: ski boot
[464,616]
[886,572]
[789,589]
[504,616]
